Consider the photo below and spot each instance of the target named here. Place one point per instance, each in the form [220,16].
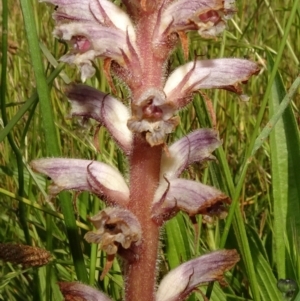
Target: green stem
[234,209]
[51,136]
[44,209]
[94,252]
[28,103]
[249,151]
[22,207]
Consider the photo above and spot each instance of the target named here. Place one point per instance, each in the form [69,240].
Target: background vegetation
[258,168]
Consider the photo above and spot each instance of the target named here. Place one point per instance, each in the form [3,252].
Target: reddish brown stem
[140,275]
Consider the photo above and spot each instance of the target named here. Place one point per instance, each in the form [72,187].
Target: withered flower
[114,227]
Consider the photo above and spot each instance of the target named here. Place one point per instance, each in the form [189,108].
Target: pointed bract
[84,175]
[79,291]
[105,12]
[207,74]
[91,103]
[181,281]
[195,147]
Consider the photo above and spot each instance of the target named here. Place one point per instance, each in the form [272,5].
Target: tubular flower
[153,112]
[174,194]
[95,28]
[208,17]
[136,45]
[84,175]
[88,102]
[181,281]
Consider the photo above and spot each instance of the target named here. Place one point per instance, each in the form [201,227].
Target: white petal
[117,16]
[93,11]
[104,41]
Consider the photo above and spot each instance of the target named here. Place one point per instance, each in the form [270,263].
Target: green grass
[257,166]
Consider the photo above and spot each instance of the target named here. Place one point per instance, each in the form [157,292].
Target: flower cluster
[136,40]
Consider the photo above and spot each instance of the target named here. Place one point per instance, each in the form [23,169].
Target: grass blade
[266,280]
[285,155]
[51,136]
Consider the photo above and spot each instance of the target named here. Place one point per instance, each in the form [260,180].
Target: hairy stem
[140,275]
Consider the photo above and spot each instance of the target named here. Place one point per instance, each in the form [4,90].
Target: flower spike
[25,255]
[136,39]
[181,281]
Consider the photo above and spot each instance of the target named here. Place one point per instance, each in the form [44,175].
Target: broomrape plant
[135,40]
